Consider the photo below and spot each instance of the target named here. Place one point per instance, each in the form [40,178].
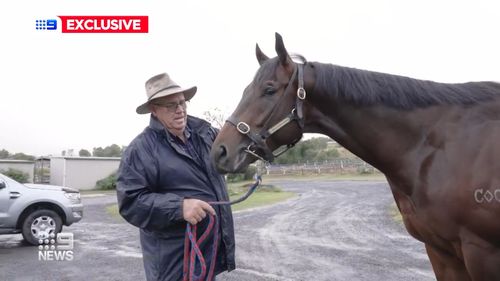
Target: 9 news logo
[96,24]
[56,247]
[46,24]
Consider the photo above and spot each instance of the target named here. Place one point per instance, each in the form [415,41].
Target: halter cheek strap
[259,139]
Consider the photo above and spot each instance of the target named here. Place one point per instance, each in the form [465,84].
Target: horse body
[436,159]
[437,145]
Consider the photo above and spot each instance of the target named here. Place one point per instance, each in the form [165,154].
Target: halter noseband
[259,140]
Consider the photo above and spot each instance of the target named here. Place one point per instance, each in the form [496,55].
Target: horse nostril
[222,152]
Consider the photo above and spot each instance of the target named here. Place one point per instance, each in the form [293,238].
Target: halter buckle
[243,128]
[301,93]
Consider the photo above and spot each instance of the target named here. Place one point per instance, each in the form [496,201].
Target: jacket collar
[194,124]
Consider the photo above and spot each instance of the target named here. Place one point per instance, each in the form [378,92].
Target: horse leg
[481,259]
[445,266]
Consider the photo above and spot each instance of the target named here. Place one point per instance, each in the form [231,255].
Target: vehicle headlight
[73,196]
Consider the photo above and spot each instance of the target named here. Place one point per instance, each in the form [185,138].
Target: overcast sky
[64,91]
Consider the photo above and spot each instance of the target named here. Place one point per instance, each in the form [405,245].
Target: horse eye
[269,91]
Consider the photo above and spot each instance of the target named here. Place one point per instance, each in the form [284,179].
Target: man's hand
[194,210]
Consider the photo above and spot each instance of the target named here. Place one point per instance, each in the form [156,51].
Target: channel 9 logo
[50,24]
[95,24]
[56,248]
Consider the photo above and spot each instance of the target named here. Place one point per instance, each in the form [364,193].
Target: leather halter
[297,115]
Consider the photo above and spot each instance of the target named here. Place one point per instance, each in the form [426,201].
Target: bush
[107,183]
[16,175]
[365,170]
[234,177]
[247,175]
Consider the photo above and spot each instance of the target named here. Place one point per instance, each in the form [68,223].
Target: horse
[437,144]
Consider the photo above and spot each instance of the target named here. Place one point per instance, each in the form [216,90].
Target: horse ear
[281,51]
[261,57]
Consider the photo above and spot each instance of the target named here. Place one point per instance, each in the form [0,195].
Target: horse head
[269,115]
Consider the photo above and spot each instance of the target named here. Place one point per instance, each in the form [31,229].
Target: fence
[336,166]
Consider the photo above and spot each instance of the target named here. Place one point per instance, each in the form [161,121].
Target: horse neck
[377,133]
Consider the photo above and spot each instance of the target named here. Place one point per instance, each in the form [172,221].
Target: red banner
[104,24]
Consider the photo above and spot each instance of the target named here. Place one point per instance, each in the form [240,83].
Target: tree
[4,154]
[311,150]
[215,116]
[113,150]
[84,153]
[328,154]
[22,156]
[68,152]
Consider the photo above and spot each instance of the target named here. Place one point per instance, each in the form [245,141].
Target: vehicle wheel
[40,224]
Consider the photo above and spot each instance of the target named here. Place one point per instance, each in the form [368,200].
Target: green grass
[97,191]
[264,195]
[309,177]
[395,214]
[113,210]
[261,198]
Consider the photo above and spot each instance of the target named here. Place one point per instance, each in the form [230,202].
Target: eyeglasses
[172,106]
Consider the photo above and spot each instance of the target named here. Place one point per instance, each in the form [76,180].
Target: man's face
[171,111]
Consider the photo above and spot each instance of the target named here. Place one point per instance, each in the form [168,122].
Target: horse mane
[364,87]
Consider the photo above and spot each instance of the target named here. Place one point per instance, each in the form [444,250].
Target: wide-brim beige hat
[160,86]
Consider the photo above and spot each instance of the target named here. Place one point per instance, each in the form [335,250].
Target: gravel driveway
[331,231]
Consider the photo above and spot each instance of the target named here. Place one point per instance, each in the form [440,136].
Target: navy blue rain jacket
[154,177]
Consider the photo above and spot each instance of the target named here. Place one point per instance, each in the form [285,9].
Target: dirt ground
[334,230]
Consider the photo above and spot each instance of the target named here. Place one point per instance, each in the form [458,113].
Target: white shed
[81,172]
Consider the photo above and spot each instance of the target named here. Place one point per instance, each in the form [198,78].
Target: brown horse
[437,144]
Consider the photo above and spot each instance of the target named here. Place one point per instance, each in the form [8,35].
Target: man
[165,180]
